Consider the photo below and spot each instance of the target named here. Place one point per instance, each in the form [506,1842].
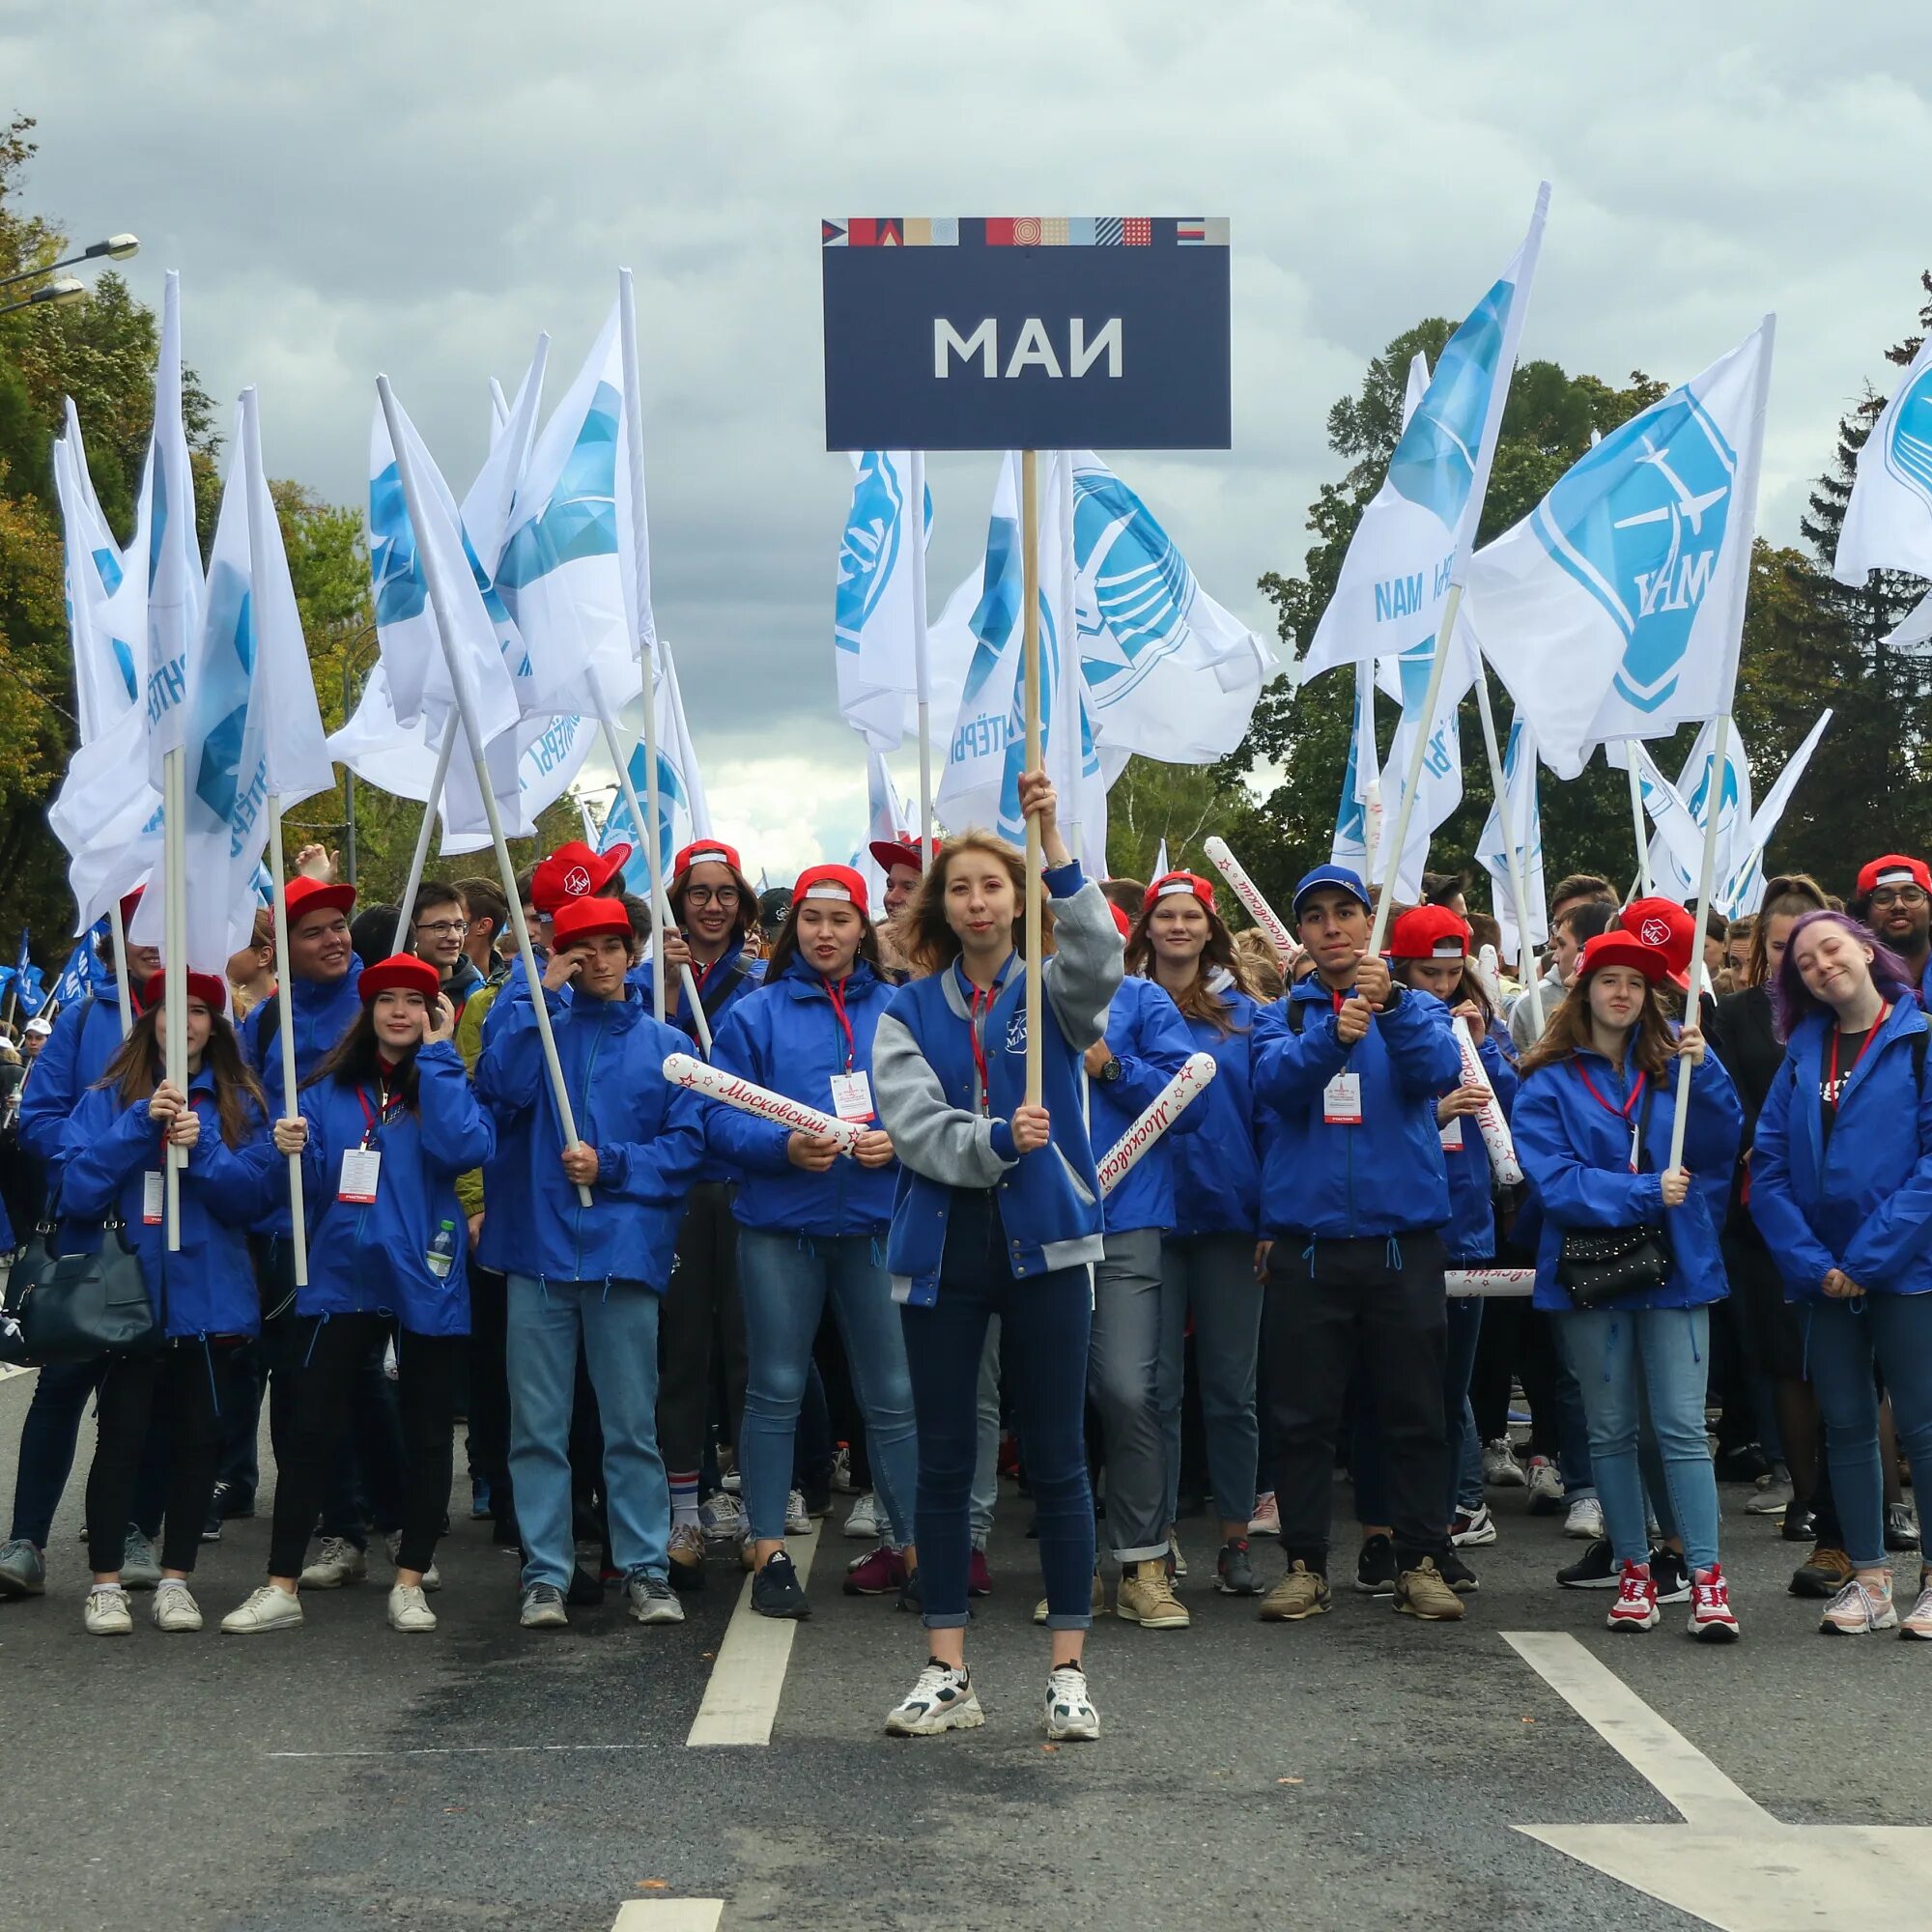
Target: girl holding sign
[204,1294]
[810,1225]
[998,1212]
[387,1122]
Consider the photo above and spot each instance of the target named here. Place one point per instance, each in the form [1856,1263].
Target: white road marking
[670,1915]
[12,1369]
[1731,1863]
[747,1680]
[457,1750]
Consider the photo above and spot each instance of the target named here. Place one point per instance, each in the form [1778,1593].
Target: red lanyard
[1623,1112]
[386,1104]
[836,990]
[981,1004]
[1883,1013]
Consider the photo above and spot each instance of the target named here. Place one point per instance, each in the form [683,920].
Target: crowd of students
[657,1315]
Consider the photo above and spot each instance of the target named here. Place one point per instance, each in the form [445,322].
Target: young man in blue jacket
[1354,1196]
[598,1272]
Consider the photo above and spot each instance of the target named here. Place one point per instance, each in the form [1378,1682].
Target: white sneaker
[1500,1468]
[798,1518]
[862,1525]
[409,1610]
[1266,1519]
[337,1562]
[841,1471]
[268,1609]
[1585,1520]
[722,1516]
[942,1700]
[1546,1487]
[1470,1527]
[106,1613]
[1069,1715]
[432,1576]
[174,1610]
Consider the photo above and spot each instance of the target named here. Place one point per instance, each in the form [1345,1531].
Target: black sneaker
[1375,1567]
[227,1502]
[1594,1570]
[1670,1574]
[909,1595]
[1742,1462]
[1456,1573]
[1235,1573]
[1800,1524]
[776,1591]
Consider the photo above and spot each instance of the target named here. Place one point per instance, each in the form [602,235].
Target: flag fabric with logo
[83,976]
[1743,890]
[1355,839]
[1519,760]
[106,601]
[1680,813]
[886,818]
[1440,789]
[1613,611]
[1887,523]
[873,603]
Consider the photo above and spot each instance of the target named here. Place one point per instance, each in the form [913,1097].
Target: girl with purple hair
[1842,1190]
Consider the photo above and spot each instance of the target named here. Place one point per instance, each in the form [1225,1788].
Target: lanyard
[836,990]
[386,1103]
[1623,1112]
[1883,1013]
[982,1004]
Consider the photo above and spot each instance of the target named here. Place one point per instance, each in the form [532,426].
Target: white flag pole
[174,960]
[419,857]
[123,992]
[467,716]
[1029,657]
[1526,951]
[644,642]
[921,670]
[1643,877]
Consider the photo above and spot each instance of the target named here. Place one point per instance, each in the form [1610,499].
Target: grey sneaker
[432,1576]
[543,1608]
[140,1567]
[651,1600]
[337,1562]
[23,1570]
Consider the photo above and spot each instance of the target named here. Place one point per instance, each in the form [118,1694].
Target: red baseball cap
[1893,869]
[306,896]
[706,852]
[1120,918]
[1618,948]
[574,871]
[578,919]
[1170,884]
[129,902]
[901,851]
[1666,926]
[831,882]
[1430,933]
[211,992]
[399,973]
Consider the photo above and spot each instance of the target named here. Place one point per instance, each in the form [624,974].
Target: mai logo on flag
[222,700]
[579,519]
[1135,583]
[869,551]
[1728,805]
[1640,523]
[1908,445]
[400,589]
[1434,464]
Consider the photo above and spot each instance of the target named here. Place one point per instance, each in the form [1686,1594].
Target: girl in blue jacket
[998,1211]
[204,1293]
[1593,1119]
[1842,1190]
[813,1223]
[387,1122]
[1212,1257]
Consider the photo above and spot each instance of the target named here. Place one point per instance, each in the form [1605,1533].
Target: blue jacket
[74,1056]
[1575,1154]
[325,1010]
[370,1257]
[1218,1167]
[1471,1236]
[787,1037]
[648,1134]
[1863,1201]
[717,1166]
[211,1281]
[925,1085]
[1383,1176]
[1147,1035]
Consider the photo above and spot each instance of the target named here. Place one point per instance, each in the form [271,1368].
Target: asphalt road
[1361,1770]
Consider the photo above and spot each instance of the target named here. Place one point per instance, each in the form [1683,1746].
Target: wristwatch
[1112,1071]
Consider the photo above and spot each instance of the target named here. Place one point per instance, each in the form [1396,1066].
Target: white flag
[676,727]
[1355,840]
[886,818]
[1681,811]
[1525,818]
[1889,521]
[1613,611]
[106,601]
[1413,538]
[680,792]
[873,607]
[1440,788]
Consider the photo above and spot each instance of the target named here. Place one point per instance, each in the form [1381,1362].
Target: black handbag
[1600,1264]
[31,1260]
[83,1306]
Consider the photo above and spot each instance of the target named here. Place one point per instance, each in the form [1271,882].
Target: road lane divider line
[748,1679]
[670,1915]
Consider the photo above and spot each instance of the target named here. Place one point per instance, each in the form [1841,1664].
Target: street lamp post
[54,296]
[116,248]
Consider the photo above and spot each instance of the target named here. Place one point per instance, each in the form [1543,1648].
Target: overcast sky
[420,187]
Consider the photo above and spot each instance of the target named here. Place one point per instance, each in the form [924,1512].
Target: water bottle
[442,1255]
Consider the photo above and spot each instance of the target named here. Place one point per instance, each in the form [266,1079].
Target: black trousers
[701,1319]
[321,1374]
[1329,1303]
[184,1379]
[490,1391]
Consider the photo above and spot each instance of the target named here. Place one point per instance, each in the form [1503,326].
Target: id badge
[151,1195]
[1452,1132]
[1342,1102]
[852,1096]
[360,1169]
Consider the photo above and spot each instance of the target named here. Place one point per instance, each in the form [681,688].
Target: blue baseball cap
[1338,876]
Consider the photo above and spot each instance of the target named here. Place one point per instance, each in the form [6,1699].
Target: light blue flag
[1525,818]
[873,627]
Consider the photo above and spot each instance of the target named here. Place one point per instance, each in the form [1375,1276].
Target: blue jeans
[1843,1342]
[618,1324]
[1047,1321]
[783,1281]
[1621,1356]
[1214,1276]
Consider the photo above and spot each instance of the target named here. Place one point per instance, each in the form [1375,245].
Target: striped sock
[683,1497]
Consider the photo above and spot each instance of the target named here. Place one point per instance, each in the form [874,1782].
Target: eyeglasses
[1905,896]
[725,895]
[443,928]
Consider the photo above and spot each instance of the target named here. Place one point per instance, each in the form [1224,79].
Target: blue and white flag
[1439,786]
[682,815]
[106,602]
[1680,813]
[675,728]
[1743,890]
[1413,538]
[1357,836]
[28,990]
[1889,521]
[1614,609]
[886,818]
[873,605]
[1525,817]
